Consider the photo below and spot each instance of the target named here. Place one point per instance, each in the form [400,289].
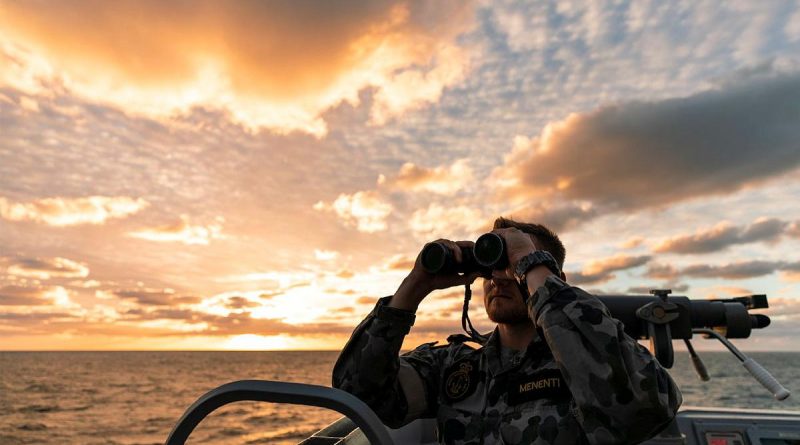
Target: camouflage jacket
[583,380]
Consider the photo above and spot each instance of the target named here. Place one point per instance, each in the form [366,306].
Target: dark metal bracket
[658,314]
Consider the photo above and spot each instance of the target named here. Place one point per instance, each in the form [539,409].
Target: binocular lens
[489,250]
[434,257]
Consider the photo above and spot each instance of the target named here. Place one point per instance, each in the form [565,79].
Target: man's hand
[519,244]
[419,283]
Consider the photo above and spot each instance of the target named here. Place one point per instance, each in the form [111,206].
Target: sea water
[136,397]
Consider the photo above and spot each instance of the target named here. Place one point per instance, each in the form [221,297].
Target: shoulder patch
[460,380]
[545,384]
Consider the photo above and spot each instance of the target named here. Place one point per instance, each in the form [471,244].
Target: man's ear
[563,276]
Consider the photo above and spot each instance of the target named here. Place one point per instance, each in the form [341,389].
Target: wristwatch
[530,261]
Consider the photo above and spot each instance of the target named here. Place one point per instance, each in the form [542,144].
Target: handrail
[281,392]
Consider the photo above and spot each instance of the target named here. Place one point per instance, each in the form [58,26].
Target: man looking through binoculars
[557,369]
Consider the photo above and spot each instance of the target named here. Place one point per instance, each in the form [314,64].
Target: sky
[251,175]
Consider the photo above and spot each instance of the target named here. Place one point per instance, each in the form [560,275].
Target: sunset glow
[254,176]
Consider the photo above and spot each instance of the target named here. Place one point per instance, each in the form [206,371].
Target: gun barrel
[730,317]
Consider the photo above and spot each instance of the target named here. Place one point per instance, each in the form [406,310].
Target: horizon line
[295,350]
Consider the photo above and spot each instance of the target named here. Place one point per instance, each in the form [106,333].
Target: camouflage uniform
[583,380]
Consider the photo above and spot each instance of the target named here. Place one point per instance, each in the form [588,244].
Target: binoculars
[488,254]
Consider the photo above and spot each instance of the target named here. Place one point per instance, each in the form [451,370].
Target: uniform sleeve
[622,394]
[398,388]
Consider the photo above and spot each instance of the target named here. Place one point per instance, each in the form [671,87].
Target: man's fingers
[453,248]
[506,231]
[456,252]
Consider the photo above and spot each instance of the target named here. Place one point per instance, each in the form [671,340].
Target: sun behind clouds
[275,65]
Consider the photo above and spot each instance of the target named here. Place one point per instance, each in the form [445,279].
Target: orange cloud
[46,268]
[441,180]
[724,235]
[23,296]
[794,229]
[736,271]
[400,262]
[365,210]
[36,298]
[274,64]
[181,232]
[783,309]
[325,255]
[635,155]
[71,211]
[602,270]
[632,243]
[155,297]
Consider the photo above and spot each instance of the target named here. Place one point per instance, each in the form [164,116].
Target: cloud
[325,255]
[784,308]
[791,272]
[155,297]
[722,236]
[439,180]
[36,317]
[238,302]
[278,65]
[345,273]
[661,271]
[25,296]
[61,212]
[735,271]
[647,154]
[794,229]
[439,221]
[632,243]
[46,268]
[181,232]
[365,210]
[400,262]
[557,216]
[728,291]
[366,300]
[600,271]
[237,323]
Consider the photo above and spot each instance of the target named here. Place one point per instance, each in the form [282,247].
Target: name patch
[546,384]
[460,380]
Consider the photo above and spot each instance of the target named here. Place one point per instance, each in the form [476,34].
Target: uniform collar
[491,350]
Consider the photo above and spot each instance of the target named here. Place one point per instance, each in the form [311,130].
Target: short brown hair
[546,239]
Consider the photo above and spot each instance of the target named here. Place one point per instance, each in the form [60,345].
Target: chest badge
[460,381]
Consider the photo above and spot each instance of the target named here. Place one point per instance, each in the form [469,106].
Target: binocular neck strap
[466,324]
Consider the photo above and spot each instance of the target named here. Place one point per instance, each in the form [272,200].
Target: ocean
[136,397]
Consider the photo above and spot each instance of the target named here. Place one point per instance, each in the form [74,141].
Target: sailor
[557,369]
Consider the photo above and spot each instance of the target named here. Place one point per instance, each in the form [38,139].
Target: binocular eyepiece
[488,254]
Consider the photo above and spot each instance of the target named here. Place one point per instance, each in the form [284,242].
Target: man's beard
[517,314]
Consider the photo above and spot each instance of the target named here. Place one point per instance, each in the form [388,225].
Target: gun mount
[662,318]
[681,315]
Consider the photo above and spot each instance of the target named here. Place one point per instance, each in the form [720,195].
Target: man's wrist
[393,315]
[536,277]
[410,293]
[538,264]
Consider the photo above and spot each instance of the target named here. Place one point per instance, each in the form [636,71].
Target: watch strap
[534,259]
[527,263]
